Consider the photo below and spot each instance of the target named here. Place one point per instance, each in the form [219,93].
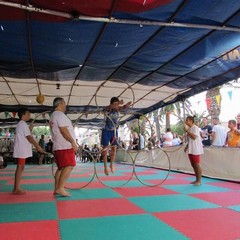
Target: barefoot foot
[62,193]
[19,192]
[197,183]
[106,172]
[112,168]
[55,192]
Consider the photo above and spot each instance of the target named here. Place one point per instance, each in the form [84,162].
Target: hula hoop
[80,116]
[115,139]
[147,120]
[87,183]
[129,87]
[40,114]
[164,179]
[117,186]
[168,149]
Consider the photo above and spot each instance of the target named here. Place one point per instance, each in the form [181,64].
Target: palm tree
[166,112]
[138,125]
[214,97]
[175,109]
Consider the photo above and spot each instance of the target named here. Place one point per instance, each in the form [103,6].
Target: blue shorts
[109,137]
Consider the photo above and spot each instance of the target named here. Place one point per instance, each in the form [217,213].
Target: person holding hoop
[64,145]
[23,147]
[195,148]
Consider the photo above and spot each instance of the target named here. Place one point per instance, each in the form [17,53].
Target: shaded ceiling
[150,52]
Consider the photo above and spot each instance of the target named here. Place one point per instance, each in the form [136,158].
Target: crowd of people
[138,142]
[217,135]
[6,144]
[211,135]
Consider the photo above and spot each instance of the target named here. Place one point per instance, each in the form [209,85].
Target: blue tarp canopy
[150,52]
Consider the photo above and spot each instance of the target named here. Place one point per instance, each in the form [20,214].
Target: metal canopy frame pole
[31,8]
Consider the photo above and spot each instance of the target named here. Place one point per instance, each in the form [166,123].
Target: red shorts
[65,158]
[194,158]
[21,161]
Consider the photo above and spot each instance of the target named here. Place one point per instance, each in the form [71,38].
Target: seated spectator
[96,153]
[176,140]
[135,142]
[121,143]
[150,144]
[167,138]
[158,144]
[3,163]
[10,145]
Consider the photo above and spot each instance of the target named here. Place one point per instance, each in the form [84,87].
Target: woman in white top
[195,148]
[176,140]
[167,138]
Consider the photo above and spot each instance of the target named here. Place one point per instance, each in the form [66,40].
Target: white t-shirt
[176,141]
[168,138]
[22,147]
[59,119]
[195,145]
[220,135]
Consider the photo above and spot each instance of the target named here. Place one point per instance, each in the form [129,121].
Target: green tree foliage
[41,130]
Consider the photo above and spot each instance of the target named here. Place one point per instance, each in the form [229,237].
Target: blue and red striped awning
[150,52]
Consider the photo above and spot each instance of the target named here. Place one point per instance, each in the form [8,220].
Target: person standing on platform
[64,145]
[23,147]
[195,148]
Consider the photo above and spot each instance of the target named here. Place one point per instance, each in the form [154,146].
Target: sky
[230,105]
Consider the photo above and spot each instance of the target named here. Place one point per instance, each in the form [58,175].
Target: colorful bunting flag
[208,102]
[218,97]
[230,95]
